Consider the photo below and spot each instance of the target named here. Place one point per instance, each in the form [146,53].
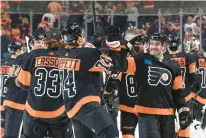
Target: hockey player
[128,92]
[188,68]
[45,110]
[81,87]
[15,49]
[193,46]
[16,97]
[160,90]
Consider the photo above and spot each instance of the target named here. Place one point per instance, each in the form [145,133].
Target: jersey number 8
[130,84]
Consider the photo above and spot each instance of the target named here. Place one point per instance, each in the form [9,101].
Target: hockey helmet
[71,32]
[173,41]
[39,34]
[15,45]
[159,37]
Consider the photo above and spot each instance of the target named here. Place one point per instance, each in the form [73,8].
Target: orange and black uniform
[127,98]
[201,62]
[82,92]
[14,101]
[188,66]
[4,72]
[45,110]
[159,94]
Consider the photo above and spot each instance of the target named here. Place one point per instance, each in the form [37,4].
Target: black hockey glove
[185,118]
[113,33]
[197,111]
[196,87]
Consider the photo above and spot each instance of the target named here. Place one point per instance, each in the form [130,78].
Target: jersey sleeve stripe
[199,98]
[185,133]
[126,108]
[177,83]
[82,102]
[24,78]
[131,69]
[155,111]
[14,105]
[44,114]
[190,96]
[192,68]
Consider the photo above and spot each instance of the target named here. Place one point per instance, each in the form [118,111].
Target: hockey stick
[192,105]
[27,43]
[203,124]
[20,129]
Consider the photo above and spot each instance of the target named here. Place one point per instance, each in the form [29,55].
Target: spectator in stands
[190,26]
[44,24]
[147,29]
[16,5]
[24,28]
[170,29]
[54,8]
[132,11]
[15,35]
[6,22]
[204,32]
[197,21]
[120,8]
[176,24]
[5,7]
[98,6]
[163,22]
[5,40]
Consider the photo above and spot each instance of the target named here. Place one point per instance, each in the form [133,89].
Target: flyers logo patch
[158,75]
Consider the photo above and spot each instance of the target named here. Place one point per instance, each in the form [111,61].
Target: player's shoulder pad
[10,61]
[172,64]
[22,56]
[142,55]
[61,52]
[37,52]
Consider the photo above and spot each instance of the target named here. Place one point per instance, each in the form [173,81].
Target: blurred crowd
[15,23]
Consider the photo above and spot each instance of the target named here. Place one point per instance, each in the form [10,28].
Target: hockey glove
[132,35]
[197,111]
[113,33]
[185,118]
[196,87]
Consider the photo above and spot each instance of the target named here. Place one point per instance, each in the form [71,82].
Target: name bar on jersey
[202,62]
[69,64]
[46,62]
[4,70]
[180,60]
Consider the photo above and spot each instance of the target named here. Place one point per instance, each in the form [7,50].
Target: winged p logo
[158,75]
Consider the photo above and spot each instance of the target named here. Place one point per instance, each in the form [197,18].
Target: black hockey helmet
[39,34]
[173,41]
[53,37]
[159,37]
[70,33]
[13,46]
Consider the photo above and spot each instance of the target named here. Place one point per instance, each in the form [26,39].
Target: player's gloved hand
[185,118]
[197,110]
[113,33]
[131,35]
[196,87]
